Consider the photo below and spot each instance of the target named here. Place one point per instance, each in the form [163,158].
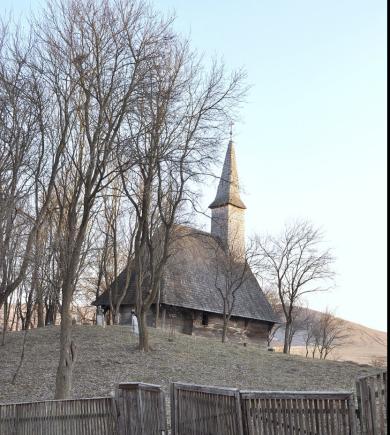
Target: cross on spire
[231,130]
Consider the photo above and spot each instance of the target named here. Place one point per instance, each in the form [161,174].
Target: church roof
[228,189]
[189,282]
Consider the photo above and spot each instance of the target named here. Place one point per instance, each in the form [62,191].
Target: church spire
[227,209]
[228,189]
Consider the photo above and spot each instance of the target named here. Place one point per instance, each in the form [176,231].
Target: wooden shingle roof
[188,281]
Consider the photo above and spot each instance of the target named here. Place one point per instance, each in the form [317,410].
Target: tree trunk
[67,348]
[143,332]
[40,306]
[41,315]
[224,330]
[29,310]
[158,307]
[5,322]
[115,316]
[109,318]
[50,313]
[11,328]
[286,348]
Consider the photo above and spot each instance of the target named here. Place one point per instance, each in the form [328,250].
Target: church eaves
[228,189]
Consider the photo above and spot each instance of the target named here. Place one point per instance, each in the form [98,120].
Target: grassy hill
[363,345]
[109,355]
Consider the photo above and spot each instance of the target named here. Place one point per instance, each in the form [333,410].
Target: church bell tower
[227,209]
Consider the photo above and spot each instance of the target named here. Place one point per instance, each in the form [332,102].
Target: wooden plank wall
[141,409]
[314,413]
[202,410]
[371,393]
[94,416]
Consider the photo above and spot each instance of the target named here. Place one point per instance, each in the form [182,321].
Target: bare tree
[97,91]
[25,157]
[295,263]
[175,132]
[92,55]
[330,332]
[309,326]
[231,269]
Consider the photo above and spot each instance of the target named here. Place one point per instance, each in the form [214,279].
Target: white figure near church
[134,323]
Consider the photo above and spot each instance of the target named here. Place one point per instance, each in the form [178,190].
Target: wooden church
[188,300]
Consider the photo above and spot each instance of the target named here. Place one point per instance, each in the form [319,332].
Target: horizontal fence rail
[95,416]
[311,413]
[202,410]
[371,394]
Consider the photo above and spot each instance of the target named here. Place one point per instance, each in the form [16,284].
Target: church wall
[258,331]
[255,330]
[189,322]
[125,315]
[179,319]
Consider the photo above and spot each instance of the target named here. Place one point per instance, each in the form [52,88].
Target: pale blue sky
[311,142]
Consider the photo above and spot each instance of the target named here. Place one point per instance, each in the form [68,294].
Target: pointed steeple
[227,209]
[228,189]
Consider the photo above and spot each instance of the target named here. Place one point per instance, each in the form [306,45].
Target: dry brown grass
[109,355]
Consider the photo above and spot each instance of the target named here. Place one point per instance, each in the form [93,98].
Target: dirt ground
[107,356]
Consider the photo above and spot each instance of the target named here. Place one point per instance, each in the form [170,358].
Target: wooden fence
[371,393]
[314,413]
[137,409]
[201,410]
[141,409]
[95,416]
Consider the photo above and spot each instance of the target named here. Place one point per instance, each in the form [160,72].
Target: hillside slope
[363,346]
[109,355]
